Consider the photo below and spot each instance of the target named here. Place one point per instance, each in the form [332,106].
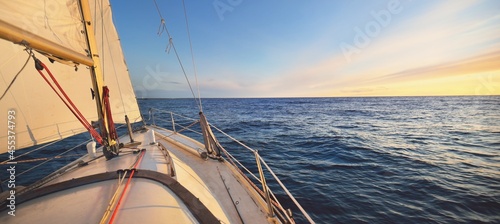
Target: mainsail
[40,116]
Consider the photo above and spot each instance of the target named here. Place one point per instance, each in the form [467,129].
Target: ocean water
[359,160]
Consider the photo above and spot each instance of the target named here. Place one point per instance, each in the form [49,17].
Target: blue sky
[320,48]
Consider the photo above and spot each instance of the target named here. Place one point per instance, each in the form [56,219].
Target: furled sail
[116,76]
[40,116]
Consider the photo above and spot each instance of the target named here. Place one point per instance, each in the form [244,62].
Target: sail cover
[40,116]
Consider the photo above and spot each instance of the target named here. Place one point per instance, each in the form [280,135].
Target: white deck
[250,209]
[148,201]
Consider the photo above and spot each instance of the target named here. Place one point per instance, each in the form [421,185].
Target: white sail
[116,76]
[40,116]
[58,21]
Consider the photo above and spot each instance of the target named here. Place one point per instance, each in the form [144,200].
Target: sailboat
[63,73]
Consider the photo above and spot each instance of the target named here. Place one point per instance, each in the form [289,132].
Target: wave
[367,160]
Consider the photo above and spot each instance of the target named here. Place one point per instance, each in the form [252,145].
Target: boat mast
[22,36]
[110,148]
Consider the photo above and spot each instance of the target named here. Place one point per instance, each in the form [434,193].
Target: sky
[321,48]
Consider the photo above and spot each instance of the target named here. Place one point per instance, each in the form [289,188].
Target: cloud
[306,79]
[363,90]
[442,32]
[426,44]
[478,64]
[434,43]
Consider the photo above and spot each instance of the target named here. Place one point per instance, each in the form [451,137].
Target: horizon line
[303,97]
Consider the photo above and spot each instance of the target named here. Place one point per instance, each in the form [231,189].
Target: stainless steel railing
[185,123]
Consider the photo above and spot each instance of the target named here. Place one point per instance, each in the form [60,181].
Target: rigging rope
[192,55]
[36,149]
[112,202]
[112,219]
[44,146]
[15,77]
[46,161]
[47,158]
[113,199]
[66,100]
[171,45]
[102,39]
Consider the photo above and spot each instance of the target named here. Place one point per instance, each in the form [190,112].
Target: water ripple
[371,160]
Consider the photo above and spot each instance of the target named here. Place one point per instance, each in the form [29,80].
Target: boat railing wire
[179,123]
[46,159]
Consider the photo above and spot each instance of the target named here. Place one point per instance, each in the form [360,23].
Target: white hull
[227,196]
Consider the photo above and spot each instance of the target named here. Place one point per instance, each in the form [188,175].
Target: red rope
[109,115]
[112,219]
[71,106]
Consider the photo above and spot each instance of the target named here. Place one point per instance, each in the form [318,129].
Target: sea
[349,160]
